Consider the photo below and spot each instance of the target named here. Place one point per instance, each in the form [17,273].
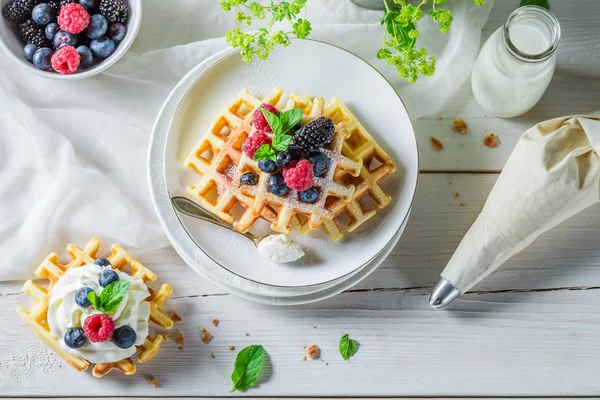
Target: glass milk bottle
[516,64]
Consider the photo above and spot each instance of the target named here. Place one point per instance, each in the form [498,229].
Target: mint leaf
[112,295]
[281,142]
[273,121]
[348,347]
[265,152]
[247,368]
[541,3]
[290,119]
[94,300]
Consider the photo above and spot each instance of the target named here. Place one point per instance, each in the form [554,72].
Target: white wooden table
[530,329]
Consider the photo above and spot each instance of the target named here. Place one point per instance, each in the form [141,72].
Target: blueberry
[102,47]
[103,262]
[124,337]
[29,51]
[89,5]
[62,38]
[117,31]
[249,178]
[75,338]
[81,297]
[320,163]
[51,30]
[43,14]
[267,166]
[309,196]
[294,151]
[107,277]
[97,27]
[283,159]
[42,58]
[86,61]
[277,185]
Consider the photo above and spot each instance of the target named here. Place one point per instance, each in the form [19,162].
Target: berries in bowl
[68,39]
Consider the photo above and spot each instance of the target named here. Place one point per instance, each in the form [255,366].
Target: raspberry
[252,143]
[299,175]
[66,60]
[99,327]
[73,18]
[260,122]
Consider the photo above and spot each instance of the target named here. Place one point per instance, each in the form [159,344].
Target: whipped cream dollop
[280,249]
[64,313]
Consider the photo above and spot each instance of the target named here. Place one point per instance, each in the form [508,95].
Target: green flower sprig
[262,42]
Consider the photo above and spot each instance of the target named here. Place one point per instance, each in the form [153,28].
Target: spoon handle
[195,210]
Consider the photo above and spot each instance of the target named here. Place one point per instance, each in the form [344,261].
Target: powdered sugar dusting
[31,361]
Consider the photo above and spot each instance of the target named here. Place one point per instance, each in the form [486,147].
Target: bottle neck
[531,34]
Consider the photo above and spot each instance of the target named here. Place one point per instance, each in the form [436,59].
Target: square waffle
[51,269]
[221,162]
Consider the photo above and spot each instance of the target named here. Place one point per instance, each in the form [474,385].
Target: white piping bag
[553,174]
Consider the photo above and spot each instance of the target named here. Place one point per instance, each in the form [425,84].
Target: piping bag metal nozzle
[443,294]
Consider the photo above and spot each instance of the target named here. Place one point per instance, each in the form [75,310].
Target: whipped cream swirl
[64,313]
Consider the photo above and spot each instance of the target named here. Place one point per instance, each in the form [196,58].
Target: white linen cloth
[553,174]
[73,154]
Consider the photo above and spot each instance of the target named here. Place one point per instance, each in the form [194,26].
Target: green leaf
[281,142]
[93,299]
[541,3]
[290,118]
[348,347]
[273,121]
[112,295]
[265,152]
[247,368]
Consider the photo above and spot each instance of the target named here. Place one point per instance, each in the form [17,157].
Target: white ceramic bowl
[13,45]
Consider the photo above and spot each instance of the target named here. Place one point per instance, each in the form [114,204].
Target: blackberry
[30,32]
[114,10]
[315,135]
[18,10]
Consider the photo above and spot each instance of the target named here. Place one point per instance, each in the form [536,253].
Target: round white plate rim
[165,210]
[225,55]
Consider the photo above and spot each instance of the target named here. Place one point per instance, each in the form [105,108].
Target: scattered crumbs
[440,118]
[215,322]
[462,204]
[246,334]
[152,380]
[176,318]
[460,126]
[456,194]
[437,145]
[211,354]
[304,358]
[232,348]
[312,352]
[179,341]
[490,140]
[166,337]
[206,336]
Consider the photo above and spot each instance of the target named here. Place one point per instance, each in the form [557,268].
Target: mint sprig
[280,124]
[348,347]
[110,298]
[247,368]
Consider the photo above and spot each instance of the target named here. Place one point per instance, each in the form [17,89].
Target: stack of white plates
[229,260]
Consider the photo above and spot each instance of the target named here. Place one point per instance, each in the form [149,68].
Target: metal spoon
[195,210]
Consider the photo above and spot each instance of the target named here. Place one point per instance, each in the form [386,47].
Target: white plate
[179,238]
[372,100]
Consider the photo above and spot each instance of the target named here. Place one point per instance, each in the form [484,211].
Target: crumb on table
[166,337]
[449,182]
[152,380]
[456,194]
[460,126]
[176,318]
[179,341]
[215,322]
[490,140]
[231,347]
[206,336]
[440,118]
[312,352]
[314,327]
[211,354]
[304,358]
[246,334]
[437,144]
[462,204]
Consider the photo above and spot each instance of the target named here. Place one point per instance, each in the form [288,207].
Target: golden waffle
[51,269]
[221,162]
